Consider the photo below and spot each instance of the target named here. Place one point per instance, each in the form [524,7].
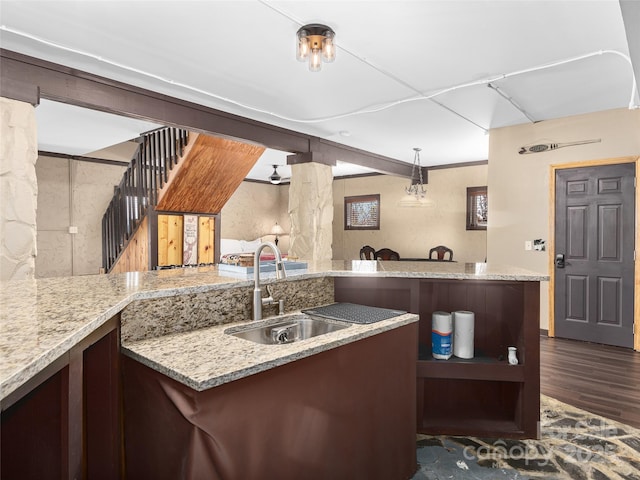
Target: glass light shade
[303,47]
[413,201]
[328,48]
[315,60]
[315,43]
[277,230]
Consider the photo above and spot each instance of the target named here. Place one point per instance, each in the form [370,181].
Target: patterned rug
[574,444]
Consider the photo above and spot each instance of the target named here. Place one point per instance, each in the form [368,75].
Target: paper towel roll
[463,326]
[441,333]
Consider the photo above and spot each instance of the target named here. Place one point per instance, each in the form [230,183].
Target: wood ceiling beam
[28,79]
[67,85]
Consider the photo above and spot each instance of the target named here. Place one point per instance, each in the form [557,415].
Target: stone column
[18,189]
[311,211]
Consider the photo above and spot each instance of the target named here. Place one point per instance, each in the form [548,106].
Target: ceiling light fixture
[315,43]
[275,177]
[416,187]
[415,193]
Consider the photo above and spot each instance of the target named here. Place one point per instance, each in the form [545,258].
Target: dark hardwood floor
[598,378]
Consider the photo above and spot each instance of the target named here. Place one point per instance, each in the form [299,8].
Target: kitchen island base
[482,396]
[346,413]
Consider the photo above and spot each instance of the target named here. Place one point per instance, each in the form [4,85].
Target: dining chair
[367,253]
[387,254]
[440,252]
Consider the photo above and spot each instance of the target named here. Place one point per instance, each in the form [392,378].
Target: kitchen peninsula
[61,339]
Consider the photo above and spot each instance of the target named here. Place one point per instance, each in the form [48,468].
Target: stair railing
[159,151]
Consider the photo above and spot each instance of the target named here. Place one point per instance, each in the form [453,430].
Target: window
[362,212]
[477,208]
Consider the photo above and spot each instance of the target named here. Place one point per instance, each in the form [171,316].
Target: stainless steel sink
[286,329]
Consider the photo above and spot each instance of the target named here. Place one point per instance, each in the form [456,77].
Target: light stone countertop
[208,357]
[42,319]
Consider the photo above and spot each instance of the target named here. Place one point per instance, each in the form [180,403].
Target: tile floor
[574,444]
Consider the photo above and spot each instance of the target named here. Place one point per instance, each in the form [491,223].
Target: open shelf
[479,396]
[480,367]
[479,427]
[474,369]
[469,407]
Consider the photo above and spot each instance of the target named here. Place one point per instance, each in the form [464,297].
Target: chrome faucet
[258,301]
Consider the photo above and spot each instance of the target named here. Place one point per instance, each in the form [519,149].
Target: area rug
[574,444]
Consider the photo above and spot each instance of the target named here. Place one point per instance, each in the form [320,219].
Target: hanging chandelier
[315,43]
[416,187]
[415,193]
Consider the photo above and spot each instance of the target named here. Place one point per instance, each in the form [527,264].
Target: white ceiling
[407,73]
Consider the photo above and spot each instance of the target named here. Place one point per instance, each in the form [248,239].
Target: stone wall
[311,211]
[18,190]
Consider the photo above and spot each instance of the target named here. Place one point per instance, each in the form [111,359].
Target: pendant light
[415,193]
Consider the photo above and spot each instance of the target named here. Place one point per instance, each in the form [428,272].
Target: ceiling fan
[275,178]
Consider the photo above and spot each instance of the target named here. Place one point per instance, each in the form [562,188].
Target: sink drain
[283,334]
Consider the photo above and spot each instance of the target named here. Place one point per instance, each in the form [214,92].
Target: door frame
[552,232]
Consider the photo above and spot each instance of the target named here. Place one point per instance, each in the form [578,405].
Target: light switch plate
[528,245]
[73,229]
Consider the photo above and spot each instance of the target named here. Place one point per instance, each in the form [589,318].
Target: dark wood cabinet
[342,413]
[66,421]
[484,395]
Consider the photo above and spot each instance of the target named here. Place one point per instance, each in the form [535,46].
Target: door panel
[609,294]
[577,294]
[576,233]
[595,231]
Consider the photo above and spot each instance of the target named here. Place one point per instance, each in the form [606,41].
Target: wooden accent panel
[170,239]
[208,176]
[173,172]
[206,242]
[135,258]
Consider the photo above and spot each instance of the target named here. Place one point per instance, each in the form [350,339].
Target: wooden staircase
[174,188]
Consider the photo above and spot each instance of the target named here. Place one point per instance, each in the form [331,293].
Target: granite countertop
[40,320]
[214,357]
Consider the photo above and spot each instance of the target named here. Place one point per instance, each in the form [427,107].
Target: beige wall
[74,193]
[18,190]
[252,211]
[408,230]
[519,184]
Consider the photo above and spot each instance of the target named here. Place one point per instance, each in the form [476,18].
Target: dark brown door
[594,254]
